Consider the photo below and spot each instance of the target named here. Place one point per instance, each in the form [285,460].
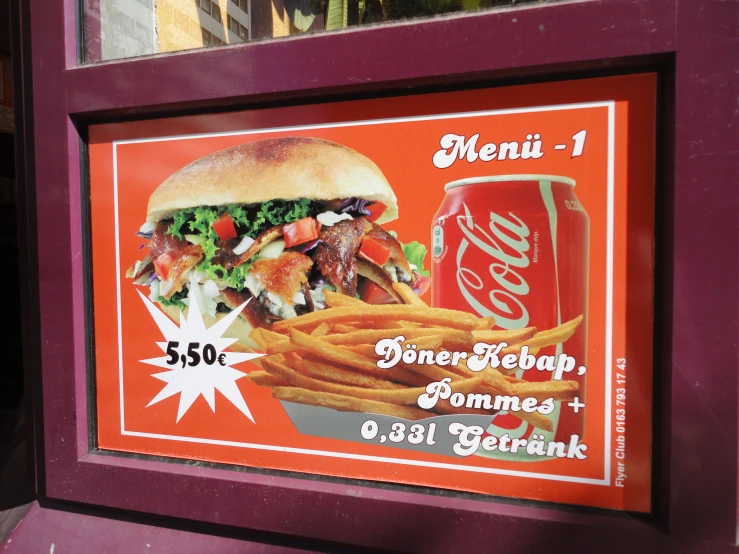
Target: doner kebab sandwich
[277,221]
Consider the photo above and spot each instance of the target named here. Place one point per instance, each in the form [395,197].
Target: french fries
[557,390]
[372,336]
[407,294]
[486,323]
[366,350]
[359,337]
[431,372]
[345,403]
[343,328]
[509,337]
[336,374]
[257,337]
[536,419]
[264,379]
[552,336]
[334,299]
[241,348]
[405,396]
[327,358]
[390,312]
[265,336]
[335,354]
[409,324]
[321,330]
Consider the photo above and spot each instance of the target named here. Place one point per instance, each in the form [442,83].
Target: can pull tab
[437,245]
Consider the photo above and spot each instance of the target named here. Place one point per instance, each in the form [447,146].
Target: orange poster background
[403,151]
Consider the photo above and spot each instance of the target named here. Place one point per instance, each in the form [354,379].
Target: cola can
[516,247]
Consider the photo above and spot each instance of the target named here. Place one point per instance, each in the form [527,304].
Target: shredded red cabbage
[310,246]
[354,206]
[345,204]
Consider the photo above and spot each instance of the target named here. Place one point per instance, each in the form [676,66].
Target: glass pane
[220,243]
[115,29]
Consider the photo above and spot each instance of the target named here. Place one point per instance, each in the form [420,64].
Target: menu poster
[447,290]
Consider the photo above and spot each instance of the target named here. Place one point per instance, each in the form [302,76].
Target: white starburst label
[195,360]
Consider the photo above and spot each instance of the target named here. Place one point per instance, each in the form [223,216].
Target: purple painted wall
[54,531]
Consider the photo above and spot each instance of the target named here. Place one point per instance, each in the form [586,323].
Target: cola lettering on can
[516,247]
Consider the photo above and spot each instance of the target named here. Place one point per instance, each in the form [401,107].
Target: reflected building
[126,28]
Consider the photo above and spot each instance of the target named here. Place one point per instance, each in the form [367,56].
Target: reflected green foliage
[340,14]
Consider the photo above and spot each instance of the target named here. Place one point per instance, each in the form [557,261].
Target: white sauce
[279,308]
[254,286]
[154,290]
[319,299]
[329,219]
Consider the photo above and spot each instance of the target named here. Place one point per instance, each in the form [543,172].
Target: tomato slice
[372,293]
[162,265]
[376,209]
[224,227]
[374,251]
[422,284]
[301,231]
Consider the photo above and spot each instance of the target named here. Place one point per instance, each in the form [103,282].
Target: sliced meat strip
[164,243]
[310,306]
[172,257]
[397,257]
[284,275]
[254,312]
[379,276]
[336,255]
[229,260]
[145,266]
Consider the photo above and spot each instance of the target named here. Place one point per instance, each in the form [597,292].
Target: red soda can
[516,247]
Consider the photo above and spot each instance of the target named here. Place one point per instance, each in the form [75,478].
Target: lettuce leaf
[249,221]
[176,225]
[238,214]
[415,253]
[175,300]
[235,277]
[299,210]
[278,213]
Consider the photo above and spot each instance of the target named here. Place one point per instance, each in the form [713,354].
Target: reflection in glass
[117,29]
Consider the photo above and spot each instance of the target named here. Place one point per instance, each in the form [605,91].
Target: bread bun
[274,169]
[239,329]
